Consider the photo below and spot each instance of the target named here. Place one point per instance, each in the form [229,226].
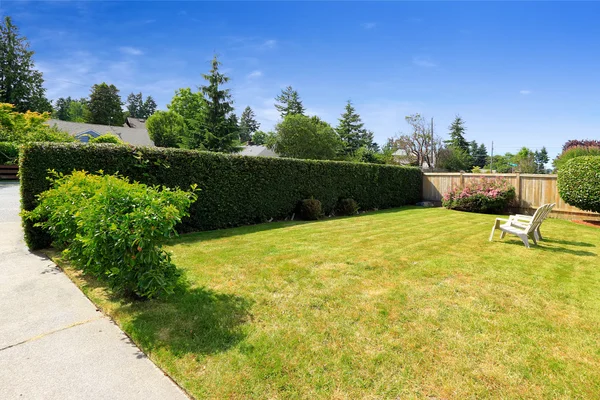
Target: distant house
[136,135]
[139,123]
[257,151]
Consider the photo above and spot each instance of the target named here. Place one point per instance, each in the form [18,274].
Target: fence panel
[532,191]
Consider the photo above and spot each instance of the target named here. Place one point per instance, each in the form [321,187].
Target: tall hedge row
[235,190]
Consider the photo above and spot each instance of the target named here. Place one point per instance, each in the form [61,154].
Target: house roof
[135,136]
[257,151]
[135,123]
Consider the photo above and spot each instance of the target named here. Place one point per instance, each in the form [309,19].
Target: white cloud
[369,25]
[255,74]
[425,62]
[131,51]
[269,44]
[525,92]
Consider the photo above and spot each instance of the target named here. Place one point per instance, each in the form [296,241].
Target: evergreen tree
[289,102]
[369,141]
[220,128]
[482,156]
[351,130]
[105,105]
[135,103]
[20,84]
[192,107]
[148,108]
[61,108]
[541,159]
[259,138]
[248,125]
[457,135]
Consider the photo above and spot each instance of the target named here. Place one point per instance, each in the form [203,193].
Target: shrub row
[235,190]
[114,229]
[9,153]
[579,183]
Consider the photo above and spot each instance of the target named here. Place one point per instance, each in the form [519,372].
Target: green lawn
[405,303]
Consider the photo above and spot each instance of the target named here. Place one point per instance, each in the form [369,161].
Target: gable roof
[135,136]
[257,151]
[135,122]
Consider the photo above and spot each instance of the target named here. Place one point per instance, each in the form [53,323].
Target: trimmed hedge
[579,183]
[235,190]
[9,153]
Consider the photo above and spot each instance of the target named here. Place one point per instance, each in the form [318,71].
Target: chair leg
[524,239]
[493,230]
[533,235]
[502,235]
[539,234]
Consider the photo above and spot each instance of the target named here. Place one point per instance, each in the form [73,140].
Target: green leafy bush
[114,229]
[579,183]
[236,190]
[9,153]
[487,195]
[310,209]
[346,207]
[107,138]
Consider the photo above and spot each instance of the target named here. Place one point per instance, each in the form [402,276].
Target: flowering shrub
[114,229]
[487,195]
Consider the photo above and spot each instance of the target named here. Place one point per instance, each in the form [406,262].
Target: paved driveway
[54,344]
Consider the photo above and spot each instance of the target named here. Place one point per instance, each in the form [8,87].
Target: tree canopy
[166,128]
[457,135]
[289,103]
[248,125]
[105,105]
[299,136]
[140,108]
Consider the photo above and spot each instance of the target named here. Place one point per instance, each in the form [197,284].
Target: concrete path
[53,342]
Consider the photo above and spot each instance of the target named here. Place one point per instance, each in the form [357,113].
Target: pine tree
[351,130]
[482,156]
[289,102]
[541,159]
[148,108]
[220,128]
[20,84]
[457,135]
[61,108]
[248,125]
[135,102]
[105,105]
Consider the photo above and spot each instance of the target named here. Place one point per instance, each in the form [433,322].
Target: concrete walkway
[53,342]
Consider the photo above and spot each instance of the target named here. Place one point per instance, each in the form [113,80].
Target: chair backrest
[539,217]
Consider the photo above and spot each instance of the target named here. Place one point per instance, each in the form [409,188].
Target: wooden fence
[532,191]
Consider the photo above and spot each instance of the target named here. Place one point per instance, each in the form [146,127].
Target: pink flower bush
[487,195]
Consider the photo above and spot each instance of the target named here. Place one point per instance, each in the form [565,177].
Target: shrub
[346,207]
[236,190]
[114,229]
[579,183]
[166,128]
[107,138]
[580,143]
[573,152]
[28,127]
[487,195]
[9,153]
[310,209]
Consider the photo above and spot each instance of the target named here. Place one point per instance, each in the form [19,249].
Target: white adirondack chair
[524,219]
[524,228]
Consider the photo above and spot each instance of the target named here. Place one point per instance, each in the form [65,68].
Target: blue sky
[520,74]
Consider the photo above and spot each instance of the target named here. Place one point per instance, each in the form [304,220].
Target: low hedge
[235,190]
[579,182]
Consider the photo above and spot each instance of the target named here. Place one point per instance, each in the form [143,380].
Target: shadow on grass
[198,321]
[569,243]
[195,237]
[542,247]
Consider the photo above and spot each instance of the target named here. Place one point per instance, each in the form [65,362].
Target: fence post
[462,180]
[518,190]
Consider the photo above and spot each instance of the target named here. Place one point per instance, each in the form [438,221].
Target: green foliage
[166,128]
[310,209]
[541,159]
[351,130]
[248,125]
[299,136]
[488,195]
[107,138]
[28,127]
[9,153]
[478,154]
[220,125]
[192,107]
[104,105]
[457,135]
[574,152]
[579,182]
[346,207]
[114,229]
[454,159]
[525,160]
[259,138]
[236,190]
[20,83]
[289,103]
[140,108]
